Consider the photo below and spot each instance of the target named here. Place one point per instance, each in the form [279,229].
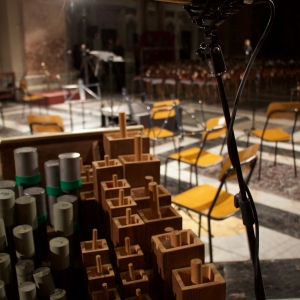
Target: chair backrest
[215,127]
[247,158]
[283,110]
[45,123]
[164,109]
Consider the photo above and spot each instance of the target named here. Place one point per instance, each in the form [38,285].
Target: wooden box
[169,218]
[141,196]
[136,257]
[112,295]
[213,286]
[168,257]
[96,280]
[143,297]
[136,171]
[135,231]
[114,145]
[89,255]
[87,180]
[110,190]
[103,171]
[129,286]
[114,209]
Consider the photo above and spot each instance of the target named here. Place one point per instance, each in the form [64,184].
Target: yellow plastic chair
[163,113]
[278,110]
[214,202]
[198,156]
[45,123]
[29,98]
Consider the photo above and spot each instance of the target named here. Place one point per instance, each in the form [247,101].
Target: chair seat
[272,134]
[33,97]
[190,156]
[158,133]
[205,195]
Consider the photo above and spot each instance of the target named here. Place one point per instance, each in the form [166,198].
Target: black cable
[234,111]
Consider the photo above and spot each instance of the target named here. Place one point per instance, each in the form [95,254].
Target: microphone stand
[211,52]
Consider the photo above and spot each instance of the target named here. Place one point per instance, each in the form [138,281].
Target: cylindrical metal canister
[53,189]
[44,281]
[59,253]
[24,244]
[63,218]
[7,206]
[24,270]
[27,291]
[26,211]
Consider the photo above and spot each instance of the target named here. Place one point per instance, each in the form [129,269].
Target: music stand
[109,57]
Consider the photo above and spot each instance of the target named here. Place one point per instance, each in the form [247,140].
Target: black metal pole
[259,287]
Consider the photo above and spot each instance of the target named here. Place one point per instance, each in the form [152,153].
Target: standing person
[119,66]
[248,50]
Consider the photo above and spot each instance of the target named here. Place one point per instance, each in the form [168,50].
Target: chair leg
[210,240]
[191,174]
[275,161]
[199,227]
[223,143]
[196,172]
[179,178]
[166,166]
[248,137]
[260,156]
[294,156]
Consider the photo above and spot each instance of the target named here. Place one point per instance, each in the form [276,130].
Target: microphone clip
[210,15]
[211,52]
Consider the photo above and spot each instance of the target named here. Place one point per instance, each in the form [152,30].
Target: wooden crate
[136,171]
[186,246]
[89,255]
[141,196]
[135,231]
[110,190]
[114,144]
[136,257]
[213,286]
[129,286]
[103,171]
[168,257]
[114,209]
[96,280]
[153,226]
[112,295]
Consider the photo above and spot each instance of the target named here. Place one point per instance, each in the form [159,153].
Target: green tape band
[42,220]
[71,185]
[53,191]
[28,180]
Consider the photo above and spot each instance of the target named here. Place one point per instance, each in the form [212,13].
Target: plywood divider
[196,271]
[138,148]
[115,180]
[127,245]
[154,201]
[176,238]
[148,179]
[121,197]
[122,124]
[106,160]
